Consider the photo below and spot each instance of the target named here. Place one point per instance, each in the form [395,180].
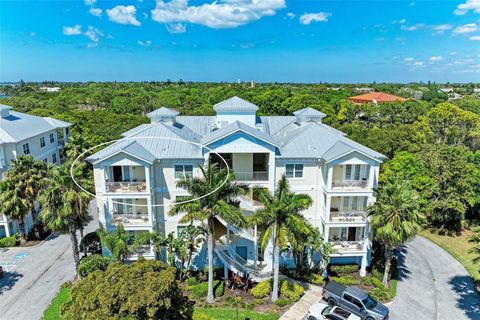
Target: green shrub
[250,306]
[343,269]
[291,290]
[316,279]
[262,289]
[377,274]
[93,263]
[381,295]
[282,302]
[198,315]
[191,281]
[347,280]
[377,283]
[367,281]
[200,290]
[11,241]
[259,301]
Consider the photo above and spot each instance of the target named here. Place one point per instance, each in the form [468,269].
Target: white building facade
[43,138]
[135,178]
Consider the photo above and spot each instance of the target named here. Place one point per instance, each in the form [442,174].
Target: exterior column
[363,266]
[271,172]
[329,176]
[327,207]
[326,234]
[255,246]
[7,227]
[371,177]
[228,236]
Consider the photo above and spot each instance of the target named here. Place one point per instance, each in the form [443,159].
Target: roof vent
[309,114]
[5,111]
[163,115]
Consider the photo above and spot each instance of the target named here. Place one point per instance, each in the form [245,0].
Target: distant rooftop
[376,97]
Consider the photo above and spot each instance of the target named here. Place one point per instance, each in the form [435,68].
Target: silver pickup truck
[354,300]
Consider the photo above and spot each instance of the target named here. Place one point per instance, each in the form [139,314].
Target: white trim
[233,132]
[355,150]
[121,151]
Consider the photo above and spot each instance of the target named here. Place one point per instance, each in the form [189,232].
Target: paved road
[36,275]
[433,285]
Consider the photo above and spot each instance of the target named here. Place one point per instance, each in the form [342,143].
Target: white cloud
[147,43]
[291,15]
[414,27]
[466,28]
[225,14]
[89,2]
[441,28]
[401,21]
[123,15]
[246,45]
[97,12]
[94,34]
[474,38]
[176,27]
[463,8]
[418,64]
[436,58]
[409,59]
[308,18]
[453,53]
[71,31]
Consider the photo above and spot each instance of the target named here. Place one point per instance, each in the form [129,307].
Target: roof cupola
[163,115]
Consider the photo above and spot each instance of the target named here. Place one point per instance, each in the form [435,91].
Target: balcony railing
[348,216]
[349,183]
[251,176]
[126,187]
[128,219]
[347,246]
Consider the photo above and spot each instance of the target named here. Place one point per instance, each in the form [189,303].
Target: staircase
[239,265]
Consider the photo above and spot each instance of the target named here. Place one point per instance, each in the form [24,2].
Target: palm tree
[115,242]
[13,205]
[395,217]
[223,203]
[25,177]
[64,204]
[193,236]
[281,217]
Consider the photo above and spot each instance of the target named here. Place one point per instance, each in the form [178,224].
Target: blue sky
[226,40]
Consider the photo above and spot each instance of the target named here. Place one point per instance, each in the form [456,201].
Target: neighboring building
[24,134]
[364,89]
[50,89]
[376,98]
[135,177]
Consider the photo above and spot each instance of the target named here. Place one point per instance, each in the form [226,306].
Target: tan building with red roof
[375,97]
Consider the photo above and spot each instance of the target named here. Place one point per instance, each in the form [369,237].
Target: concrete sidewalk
[313,294]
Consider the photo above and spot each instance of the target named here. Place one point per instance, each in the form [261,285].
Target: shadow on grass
[403,271]
[467,298]
[8,281]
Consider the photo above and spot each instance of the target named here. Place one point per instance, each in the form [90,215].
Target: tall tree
[395,217]
[115,242]
[222,203]
[24,184]
[281,218]
[64,204]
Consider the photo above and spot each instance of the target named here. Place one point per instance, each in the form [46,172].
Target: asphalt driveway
[433,285]
[35,275]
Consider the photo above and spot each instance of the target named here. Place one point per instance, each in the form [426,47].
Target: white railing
[126,187]
[346,246]
[128,219]
[238,266]
[3,218]
[251,176]
[248,203]
[350,183]
[247,233]
[348,216]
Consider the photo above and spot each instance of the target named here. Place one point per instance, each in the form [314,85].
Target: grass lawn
[229,314]
[457,246]
[53,310]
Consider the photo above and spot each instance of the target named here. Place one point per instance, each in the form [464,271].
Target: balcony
[348,216]
[349,184]
[126,187]
[252,176]
[347,246]
[128,219]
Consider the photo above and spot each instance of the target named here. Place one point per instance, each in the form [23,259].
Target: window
[356,172]
[42,142]
[294,170]
[45,160]
[26,148]
[54,158]
[183,171]
[347,297]
[52,138]
[357,303]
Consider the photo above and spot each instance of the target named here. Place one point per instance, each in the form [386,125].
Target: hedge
[262,289]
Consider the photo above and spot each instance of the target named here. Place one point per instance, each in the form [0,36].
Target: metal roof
[163,112]
[19,126]
[235,104]
[309,112]
[311,139]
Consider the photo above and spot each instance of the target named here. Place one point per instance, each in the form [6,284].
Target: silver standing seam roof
[184,138]
[18,126]
[235,104]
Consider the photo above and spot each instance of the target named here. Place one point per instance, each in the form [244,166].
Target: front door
[242,252]
[352,233]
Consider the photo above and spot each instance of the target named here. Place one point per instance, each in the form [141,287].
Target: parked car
[354,300]
[322,311]
[1,272]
